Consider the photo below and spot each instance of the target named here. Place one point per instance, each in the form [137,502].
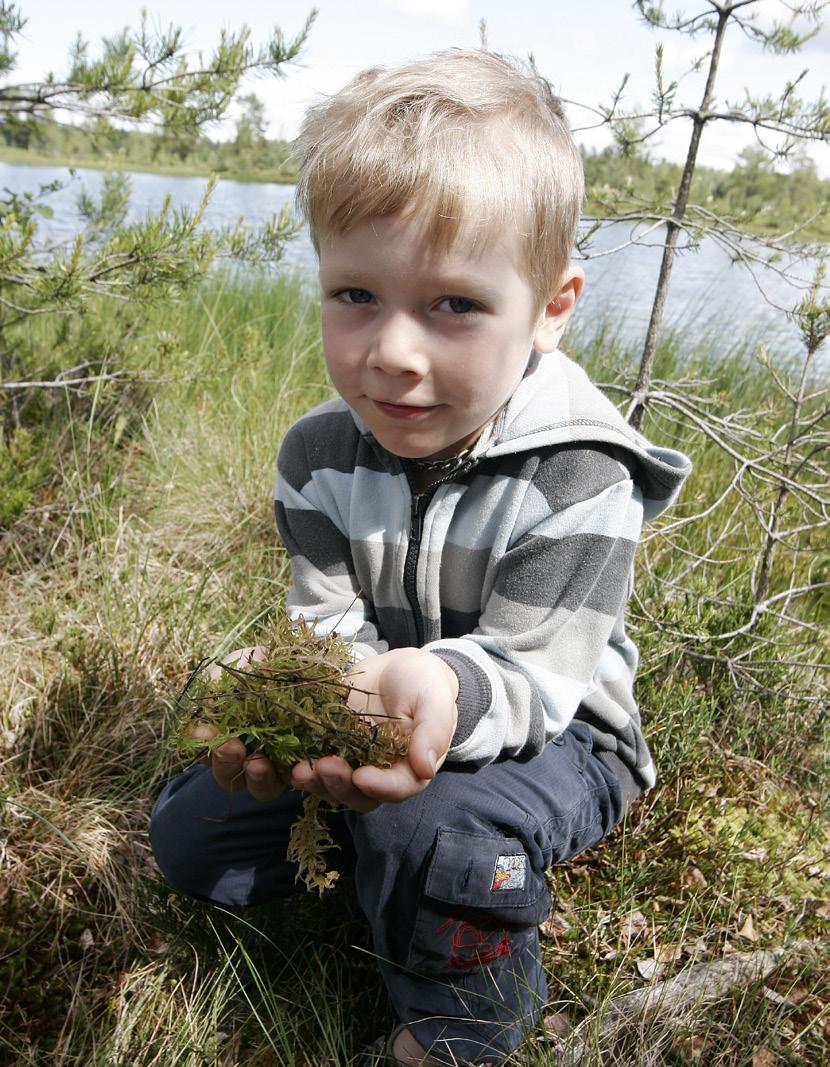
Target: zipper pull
[416,526]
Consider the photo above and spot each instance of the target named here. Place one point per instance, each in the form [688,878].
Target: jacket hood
[557,403]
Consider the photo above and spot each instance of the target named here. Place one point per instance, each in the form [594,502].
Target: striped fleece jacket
[515,570]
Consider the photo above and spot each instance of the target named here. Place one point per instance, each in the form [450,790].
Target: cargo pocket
[480,903]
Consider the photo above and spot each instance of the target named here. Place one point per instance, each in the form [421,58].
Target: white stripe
[346,623]
[365,506]
[615,512]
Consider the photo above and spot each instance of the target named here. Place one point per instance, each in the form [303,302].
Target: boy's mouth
[402,411]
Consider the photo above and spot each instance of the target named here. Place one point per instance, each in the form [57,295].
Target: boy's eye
[355,296]
[458,305]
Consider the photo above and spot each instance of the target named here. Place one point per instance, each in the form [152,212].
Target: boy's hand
[408,684]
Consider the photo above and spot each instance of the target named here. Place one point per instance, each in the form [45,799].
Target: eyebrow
[359,277]
[449,284]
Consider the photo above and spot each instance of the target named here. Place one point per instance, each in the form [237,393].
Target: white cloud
[821,41]
[446,10]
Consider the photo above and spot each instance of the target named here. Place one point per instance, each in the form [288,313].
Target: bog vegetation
[143,401]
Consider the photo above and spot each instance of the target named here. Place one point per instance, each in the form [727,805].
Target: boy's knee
[174,837]
[227,848]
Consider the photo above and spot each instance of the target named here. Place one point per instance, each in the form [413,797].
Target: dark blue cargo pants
[451,881]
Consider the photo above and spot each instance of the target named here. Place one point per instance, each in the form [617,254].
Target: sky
[583,48]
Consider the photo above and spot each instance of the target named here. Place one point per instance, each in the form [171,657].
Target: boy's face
[427,345]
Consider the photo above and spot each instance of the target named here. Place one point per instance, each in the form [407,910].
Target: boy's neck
[421,480]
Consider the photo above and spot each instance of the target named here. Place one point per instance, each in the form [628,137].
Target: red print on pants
[473,945]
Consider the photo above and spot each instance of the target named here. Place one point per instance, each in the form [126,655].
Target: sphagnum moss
[291,705]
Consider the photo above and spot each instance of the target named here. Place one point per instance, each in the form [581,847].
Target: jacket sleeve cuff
[474,692]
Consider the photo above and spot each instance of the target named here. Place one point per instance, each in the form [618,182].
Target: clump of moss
[291,705]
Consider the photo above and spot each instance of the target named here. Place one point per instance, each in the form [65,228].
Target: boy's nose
[398,347]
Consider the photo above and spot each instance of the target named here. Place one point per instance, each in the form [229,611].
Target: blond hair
[461,138]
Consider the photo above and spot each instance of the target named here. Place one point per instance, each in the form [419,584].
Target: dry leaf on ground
[648,967]
[557,1025]
[693,1046]
[656,966]
[632,926]
[694,876]
[748,930]
[554,926]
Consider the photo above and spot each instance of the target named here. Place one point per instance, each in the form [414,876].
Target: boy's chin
[405,450]
[415,455]
[425,450]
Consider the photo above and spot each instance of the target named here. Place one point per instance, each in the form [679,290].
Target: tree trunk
[673,230]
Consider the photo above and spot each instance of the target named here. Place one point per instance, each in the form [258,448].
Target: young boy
[466,514]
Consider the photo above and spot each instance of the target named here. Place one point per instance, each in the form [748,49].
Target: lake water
[710,298]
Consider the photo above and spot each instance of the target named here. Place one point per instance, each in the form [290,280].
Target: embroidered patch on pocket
[510,873]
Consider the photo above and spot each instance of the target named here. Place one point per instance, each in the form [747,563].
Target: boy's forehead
[467,247]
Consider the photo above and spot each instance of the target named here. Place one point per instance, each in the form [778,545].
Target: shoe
[379,1053]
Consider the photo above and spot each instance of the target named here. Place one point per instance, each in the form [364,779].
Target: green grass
[145,541]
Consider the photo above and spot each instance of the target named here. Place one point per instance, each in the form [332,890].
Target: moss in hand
[292,705]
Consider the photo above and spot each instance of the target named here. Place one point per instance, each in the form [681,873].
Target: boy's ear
[555,314]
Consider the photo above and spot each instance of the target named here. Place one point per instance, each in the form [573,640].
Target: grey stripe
[326,437]
[611,588]
[397,625]
[572,473]
[526,734]
[588,568]
[379,567]
[562,640]
[519,465]
[311,534]
[474,693]
[458,623]
[462,577]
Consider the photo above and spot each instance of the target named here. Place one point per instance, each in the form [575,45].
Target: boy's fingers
[330,778]
[303,776]
[227,762]
[393,784]
[427,749]
[239,658]
[336,778]
[203,731]
[360,699]
[261,778]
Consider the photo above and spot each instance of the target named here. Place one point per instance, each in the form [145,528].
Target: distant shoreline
[25,157]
